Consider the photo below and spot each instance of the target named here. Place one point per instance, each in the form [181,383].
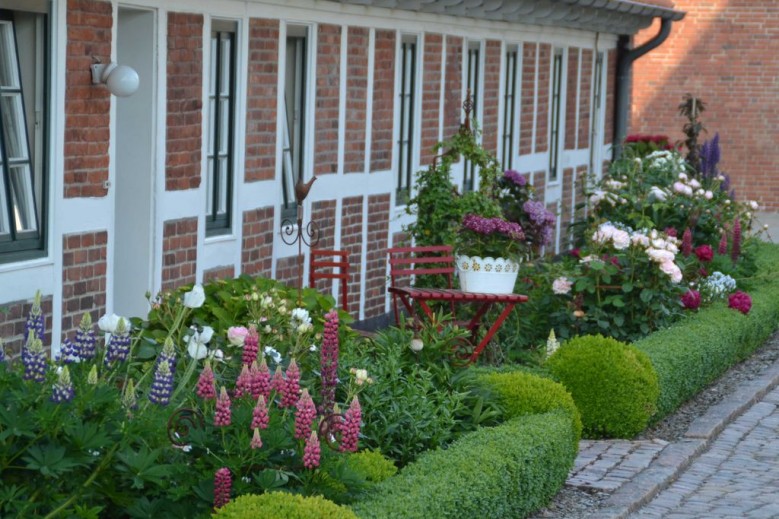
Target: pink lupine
[205,383]
[304,416]
[735,250]
[277,383]
[260,418]
[329,362]
[312,451]
[687,243]
[223,482]
[291,392]
[260,379]
[243,385]
[251,345]
[350,427]
[256,442]
[723,244]
[222,413]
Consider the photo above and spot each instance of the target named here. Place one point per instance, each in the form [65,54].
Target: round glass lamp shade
[122,81]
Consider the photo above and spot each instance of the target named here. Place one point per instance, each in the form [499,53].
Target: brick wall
[328,74]
[257,242]
[221,272]
[431,93]
[13,317]
[185,101]
[376,256]
[527,103]
[351,240]
[566,208]
[722,52]
[179,252]
[87,106]
[611,75]
[492,95]
[83,277]
[323,213]
[453,89]
[585,98]
[539,184]
[356,99]
[570,93]
[261,100]
[383,100]
[287,271]
[544,97]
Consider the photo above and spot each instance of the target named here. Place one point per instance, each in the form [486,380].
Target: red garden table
[438,260]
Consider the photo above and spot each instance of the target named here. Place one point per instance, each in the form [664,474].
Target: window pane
[23,202]
[209,189]
[222,208]
[211,127]
[14,126]
[4,227]
[212,79]
[8,67]
[224,125]
[225,79]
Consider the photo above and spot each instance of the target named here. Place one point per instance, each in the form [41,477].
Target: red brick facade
[527,108]
[83,277]
[221,272]
[323,213]
[376,255]
[179,252]
[431,95]
[261,100]
[453,92]
[328,76]
[544,97]
[13,319]
[351,241]
[287,271]
[571,94]
[383,100]
[492,92]
[566,208]
[608,130]
[257,244]
[585,99]
[356,99]
[87,106]
[723,53]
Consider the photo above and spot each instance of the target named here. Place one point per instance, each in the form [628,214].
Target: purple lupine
[329,362]
[243,385]
[63,388]
[350,427]
[168,355]
[515,177]
[542,221]
[260,418]
[69,352]
[118,347]
[251,345]
[710,157]
[291,392]
[312,451]
[34,359]
[687,243]
[85,338]
[260,379]
[725,185]
[735,250]
[277,383]
[34,321]
[223,482]
[304,416]
[205,383]
[223,413]
[162,385]
[2,350]
[723,244]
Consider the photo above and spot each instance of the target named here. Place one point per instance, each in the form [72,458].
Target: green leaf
[49,460]
[646,295]
[627,287]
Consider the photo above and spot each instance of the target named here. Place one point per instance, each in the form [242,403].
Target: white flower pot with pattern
[487,275]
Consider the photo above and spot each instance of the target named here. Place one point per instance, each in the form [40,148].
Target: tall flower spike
[260,418]
[34,359]
[118,347]
[723,244]
[304,416]
[34,321]
[129,400]
[222,413]
[69,352]
[256,442]
[243,385]
[291,391]
[312,451]
[92,376]
[277,384]
[687,243]
[251,345]
[260,379]
[350,428]
[223,482]
[168,354]
[63,388]
[162,385]
[85,338]
[735,250]
[2,350]
[329,362]
[551,344]
[206,388]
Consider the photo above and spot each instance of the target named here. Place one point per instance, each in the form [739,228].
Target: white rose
[195,298]
[660,255]
[108,323]
[621,239]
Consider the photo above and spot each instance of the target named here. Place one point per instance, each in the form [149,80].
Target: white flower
[196,347]
[217,355]
[708,195]
[300,321]
[108,323]
[658,194]
[694,184]
[640,239]
[620,239]
[682,176]
[267,329]
[236,335]
[670,268]
[551,344]
[753,205]
[660,255]
[186,448]
[562,285]
[361,376]
[266,302]
[195,298]
[416,345]
[313,348]
[273,354]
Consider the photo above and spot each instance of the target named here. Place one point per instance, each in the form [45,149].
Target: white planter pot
[487,275]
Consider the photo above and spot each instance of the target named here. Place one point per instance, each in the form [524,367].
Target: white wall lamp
[121,80]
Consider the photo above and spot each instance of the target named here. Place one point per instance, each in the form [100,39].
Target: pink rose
[672,270]
[236,335]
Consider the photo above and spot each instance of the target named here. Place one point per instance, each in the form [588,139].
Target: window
[472,84]
[408,59]
[597,91]
[554,137]
[23,115]
[294,115]
[221,117]
[509,108]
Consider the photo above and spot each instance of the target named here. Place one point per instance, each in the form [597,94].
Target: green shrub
[504,471]
[612,383]
[282,505]
[522,394]
[372,465]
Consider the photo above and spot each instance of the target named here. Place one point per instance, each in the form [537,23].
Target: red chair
[323,265]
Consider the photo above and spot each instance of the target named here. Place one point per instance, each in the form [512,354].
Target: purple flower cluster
[34,321]
[63,388]
[329,362]
[515,177]
[488,226]
[162,385]
[85,338]
[118,347]
[34,360]
[710,156]
[542,221]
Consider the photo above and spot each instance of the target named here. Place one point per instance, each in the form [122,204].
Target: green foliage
[504,471]
[282,505]
[612,383]
[694,352]
[372,465]
[523,394]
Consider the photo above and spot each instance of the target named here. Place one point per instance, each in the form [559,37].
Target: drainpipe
[626,57]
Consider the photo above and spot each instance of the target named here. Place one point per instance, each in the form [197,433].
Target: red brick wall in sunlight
[718,52]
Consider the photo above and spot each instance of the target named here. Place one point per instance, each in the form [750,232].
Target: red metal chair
[322,266]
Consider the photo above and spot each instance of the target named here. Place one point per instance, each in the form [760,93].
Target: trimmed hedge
[506,471]
[372,465]
[282,504]
[690,355]
[521,393]
[613,384]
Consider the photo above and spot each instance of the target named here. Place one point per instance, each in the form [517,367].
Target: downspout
[626,57]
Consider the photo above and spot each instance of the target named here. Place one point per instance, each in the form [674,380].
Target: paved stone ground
[607,465]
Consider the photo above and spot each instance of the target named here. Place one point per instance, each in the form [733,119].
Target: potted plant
[489,251]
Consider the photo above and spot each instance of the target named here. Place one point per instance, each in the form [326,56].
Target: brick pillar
[328,89]
[453,91]
[585,98]
[492,92]
[544,97]
[356,99]
[323,213]
[179,252]
[608,130]
[83,277]
[351,240]
[257,245]
[383,100]
[376,256]
[572,89]
[261,100]
[527,106]
[431,93]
